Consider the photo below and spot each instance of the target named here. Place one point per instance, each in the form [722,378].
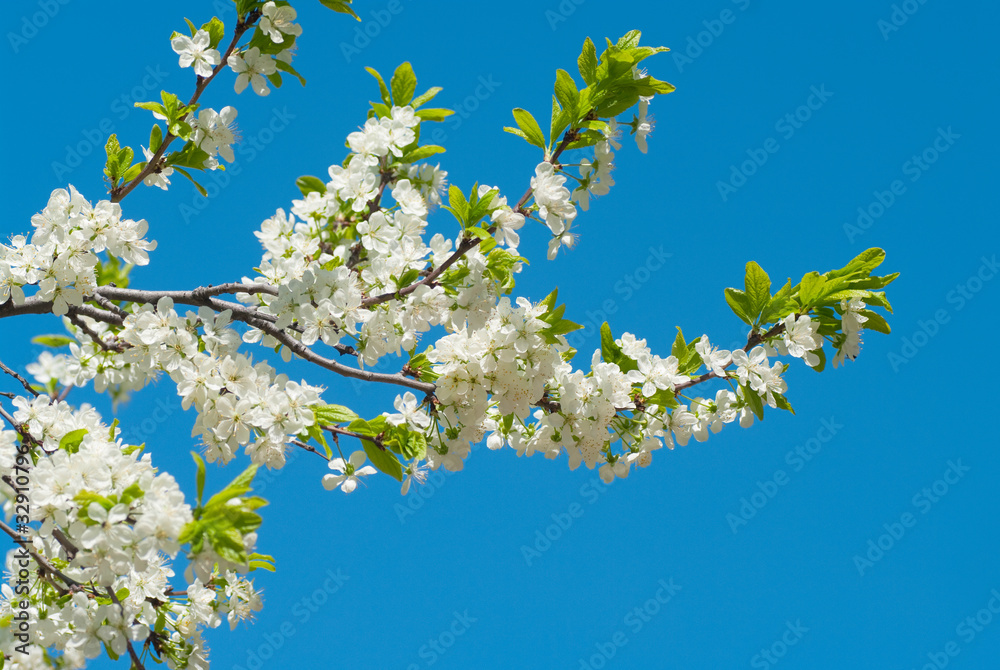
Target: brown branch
[308,354]
[41,560]
[119,192]
[470,243]
[136,661]
[309,448]
[15,375]
[76,321]
[753,340]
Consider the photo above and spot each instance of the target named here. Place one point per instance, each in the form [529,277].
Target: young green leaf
[199,475]
[739,302]
[404,84]
[383,460]
[758,289]
[309,184]
[587,62]
[532,132]
[54,341]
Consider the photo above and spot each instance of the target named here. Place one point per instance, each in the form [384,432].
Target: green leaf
[610,351]
[261,561]
[309,184]
[330,414]
[155,138]
[753,401]
[421,153]
[133,172]
[341,6]
[568,96]
[199,187]
[54,341]
[191,26]
[822,359]
[426,96]
[199,475]
[663,398]
[587,62]
[516,131]
[383,460]
[629,40]
[216,31]
[458,205]
[680,348]
[863,263]
[237,487]
[383,89]
[71,440]
[287,67]
[434,114]
[779,305]
[532,132]
[875,322]
[782,403]
[812,288]
[739,302]
[404,84]
[758,289]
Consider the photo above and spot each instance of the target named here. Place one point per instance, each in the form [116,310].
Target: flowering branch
[118,194]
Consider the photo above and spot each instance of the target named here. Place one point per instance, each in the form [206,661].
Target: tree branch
[15,375]
[472,242]
[118,194]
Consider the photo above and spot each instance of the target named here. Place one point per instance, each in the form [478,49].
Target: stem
[15,375]
[118,193]
[136,661]
[468,244]
[753,340]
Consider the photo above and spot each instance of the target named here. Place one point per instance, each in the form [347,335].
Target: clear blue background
[461,551]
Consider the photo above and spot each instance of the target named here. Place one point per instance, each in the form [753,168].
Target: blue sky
[885,107]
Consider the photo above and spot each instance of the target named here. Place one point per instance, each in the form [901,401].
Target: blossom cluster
[108,524]
[61,256]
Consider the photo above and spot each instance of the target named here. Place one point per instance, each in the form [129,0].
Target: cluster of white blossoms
[554,206]
[852,322]
[107,521]
[351,269]
[61,256]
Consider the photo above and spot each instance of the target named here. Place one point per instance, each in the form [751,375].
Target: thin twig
[153,164]
[470,243]
[24,382]
[136,661]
